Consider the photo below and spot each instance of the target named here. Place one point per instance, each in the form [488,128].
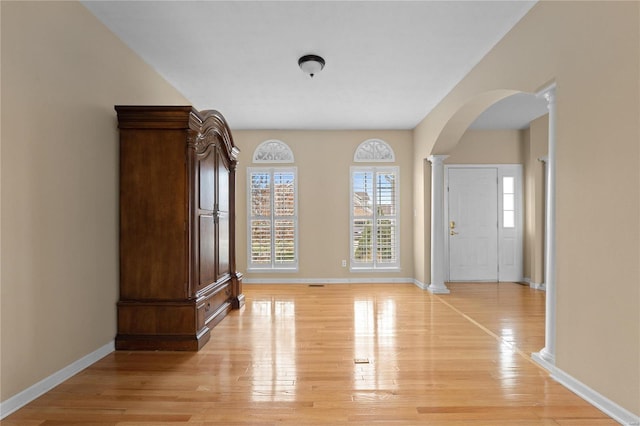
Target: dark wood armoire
[178,274]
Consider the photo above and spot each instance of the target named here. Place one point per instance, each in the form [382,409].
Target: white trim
[256,270]
[535,286]
[618,413]
[31,393]
[328,280]
[376,269]
[420,284]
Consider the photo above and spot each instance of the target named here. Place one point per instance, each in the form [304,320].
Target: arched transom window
[273,151]
[374,150]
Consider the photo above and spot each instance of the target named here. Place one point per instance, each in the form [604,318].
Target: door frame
[502,171]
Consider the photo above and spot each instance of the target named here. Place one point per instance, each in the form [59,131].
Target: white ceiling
[388,64]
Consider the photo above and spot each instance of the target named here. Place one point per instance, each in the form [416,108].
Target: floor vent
[361,361]
[316,285]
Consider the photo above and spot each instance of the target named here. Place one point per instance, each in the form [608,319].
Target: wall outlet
[344,263]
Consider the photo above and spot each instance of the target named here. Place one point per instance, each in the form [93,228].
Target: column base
[544,358]
[438,289]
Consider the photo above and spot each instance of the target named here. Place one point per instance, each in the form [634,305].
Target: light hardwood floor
[338,354]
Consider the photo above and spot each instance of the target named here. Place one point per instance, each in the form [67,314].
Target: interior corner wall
[422,202]
[422,219]
[62,74]
[591,51]
[323,159]
[534,171]
[420,223]
[528,216]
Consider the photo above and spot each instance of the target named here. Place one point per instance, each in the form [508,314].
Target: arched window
[273,151]
[272,202]
[375,204]
[374,151]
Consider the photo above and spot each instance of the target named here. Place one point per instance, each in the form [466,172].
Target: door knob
[453,233]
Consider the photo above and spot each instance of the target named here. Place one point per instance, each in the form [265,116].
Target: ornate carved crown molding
[212,125]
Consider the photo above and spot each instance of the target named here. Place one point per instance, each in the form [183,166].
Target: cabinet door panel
[223,244]
[223,187]
[152,216]
[207,271]
[206,181]
[223,217]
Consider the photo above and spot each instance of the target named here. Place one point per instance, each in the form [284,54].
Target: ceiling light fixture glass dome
[311,64]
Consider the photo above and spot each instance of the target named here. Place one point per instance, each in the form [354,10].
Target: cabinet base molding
[238,302]
[154,342]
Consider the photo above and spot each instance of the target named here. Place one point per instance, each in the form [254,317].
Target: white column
[437,225]
[548,353]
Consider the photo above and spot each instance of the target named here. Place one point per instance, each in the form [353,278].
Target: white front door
[473,224]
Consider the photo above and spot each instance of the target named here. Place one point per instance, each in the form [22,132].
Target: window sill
[378,269]
[272,270]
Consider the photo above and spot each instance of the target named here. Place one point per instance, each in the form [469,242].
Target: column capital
[548,93]
[437,159]
[550,97]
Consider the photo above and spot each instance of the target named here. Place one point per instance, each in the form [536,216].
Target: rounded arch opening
[460,120]
[447,139]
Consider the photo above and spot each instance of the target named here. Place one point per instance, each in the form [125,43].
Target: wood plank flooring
[339,354]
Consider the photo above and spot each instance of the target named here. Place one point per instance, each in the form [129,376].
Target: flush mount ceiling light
[311,64]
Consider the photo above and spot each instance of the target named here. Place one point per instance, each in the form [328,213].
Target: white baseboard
[26,396]
[327,280]
[420,284]
[535,286]
[413,281]
[538,286]
[618,413]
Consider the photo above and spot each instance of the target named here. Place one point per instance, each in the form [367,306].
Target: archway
[446,140]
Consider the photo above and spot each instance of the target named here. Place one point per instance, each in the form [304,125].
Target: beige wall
[323,159]
[488,147]
[62,73]
[535,147]
[591,50]
[421,220]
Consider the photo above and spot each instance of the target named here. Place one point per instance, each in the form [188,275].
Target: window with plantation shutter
[273,218]
[374,218]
